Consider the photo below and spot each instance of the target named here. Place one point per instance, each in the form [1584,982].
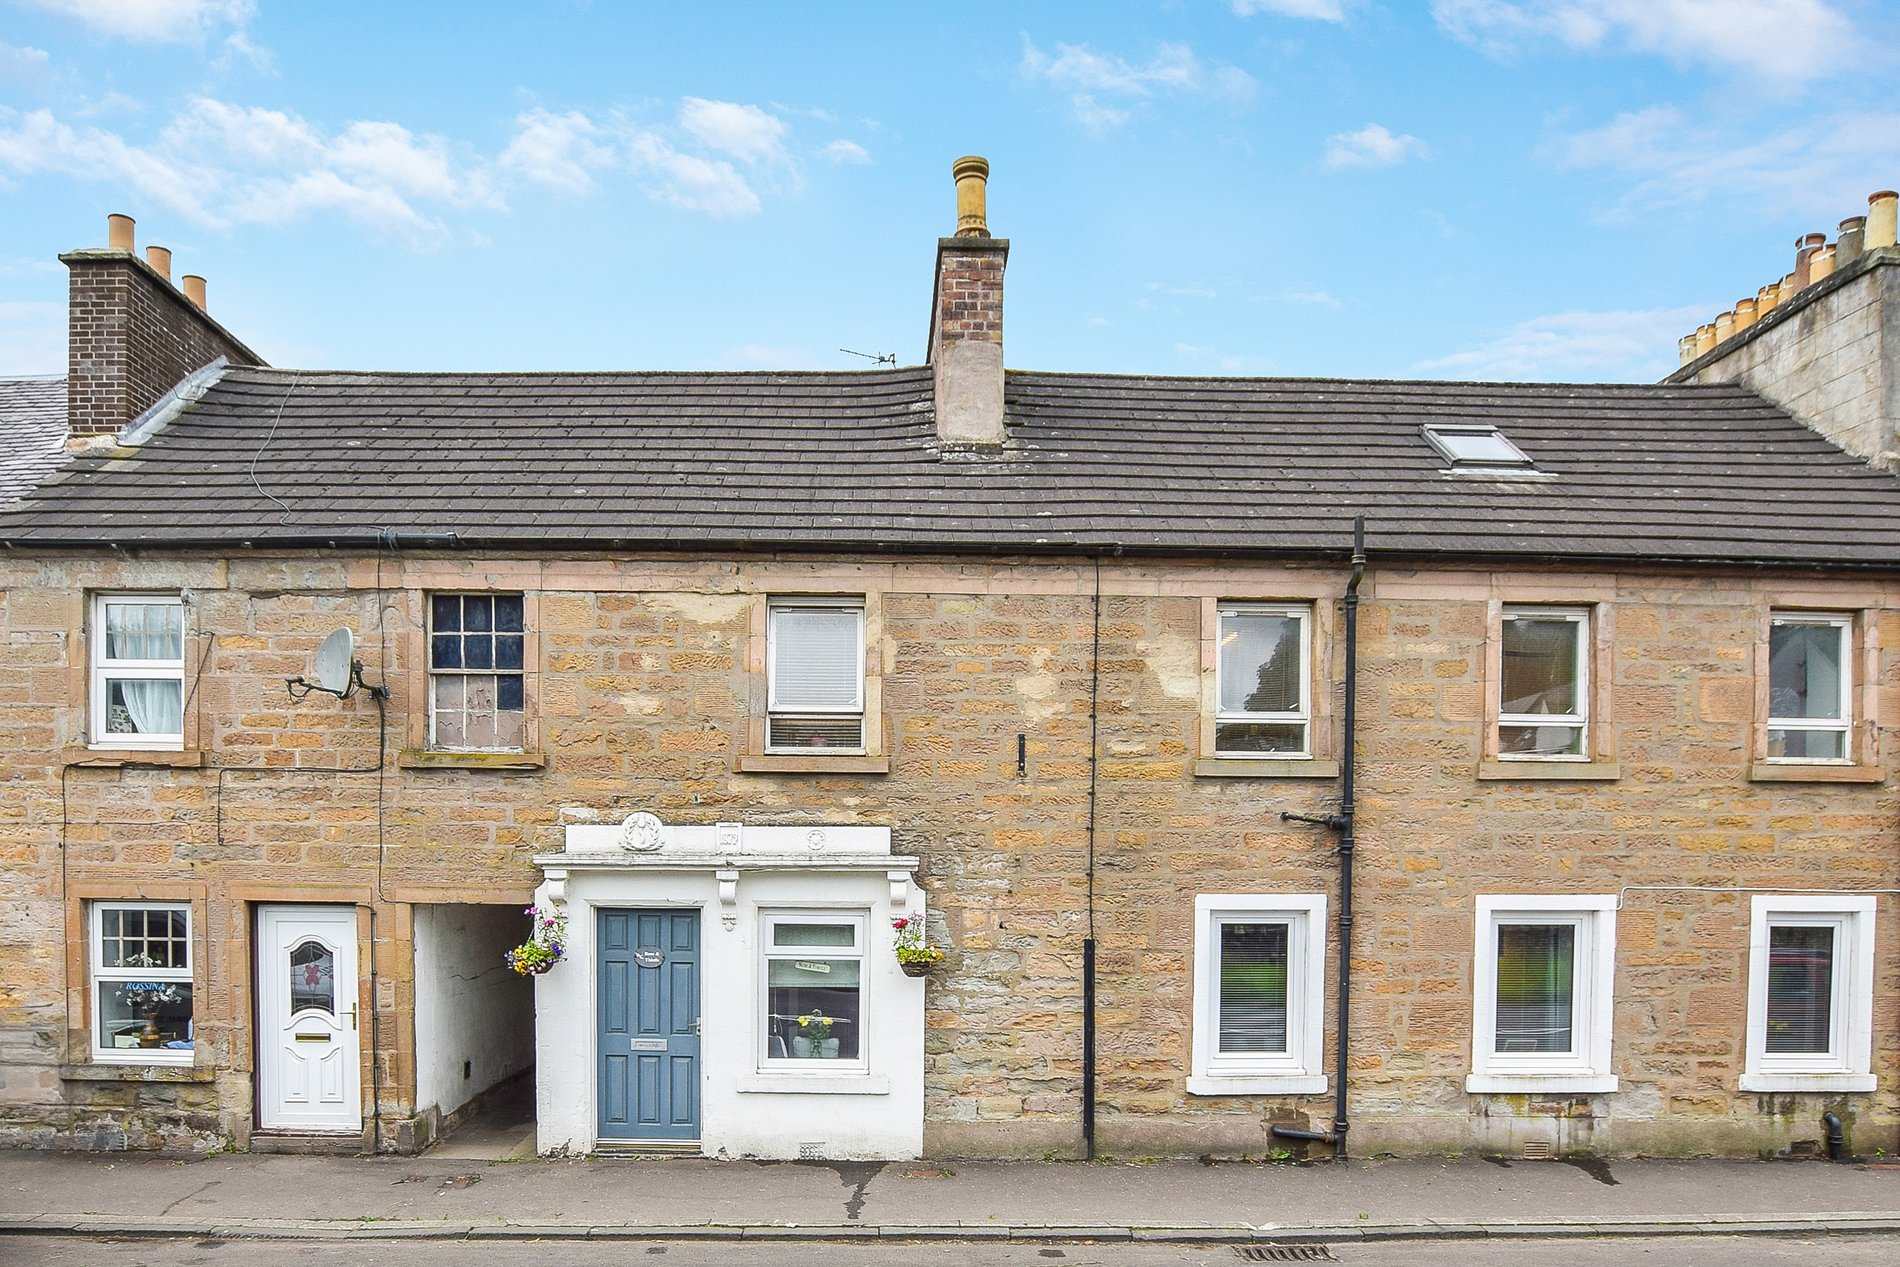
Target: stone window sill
[1826,1082]
[1264,1084]
[422,759]
[137,1073]
[814,1084]
[1539,1083]
[107,758]
[1248,768]
[1549,771]
[787,763]
[1796,772]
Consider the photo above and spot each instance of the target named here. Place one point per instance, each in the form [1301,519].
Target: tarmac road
[1672,1251]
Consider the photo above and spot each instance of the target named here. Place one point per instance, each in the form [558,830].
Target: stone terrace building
[731,670]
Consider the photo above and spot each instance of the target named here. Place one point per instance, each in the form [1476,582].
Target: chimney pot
[195,290]
[1685,349]
[1804,249]
[1821,264]
[119,233]
[1847,247]
[160,258]
[1704,339]
[972,176]
[1744,314]
[1724,326]
[1766,298]
[1881,207]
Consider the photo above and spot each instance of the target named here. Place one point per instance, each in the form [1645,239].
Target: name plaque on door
[649,956]
[648,1044]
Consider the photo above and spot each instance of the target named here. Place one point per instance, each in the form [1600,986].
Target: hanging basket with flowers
[545,945]
[915,955]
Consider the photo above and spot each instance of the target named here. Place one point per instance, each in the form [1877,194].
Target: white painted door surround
[757,1099]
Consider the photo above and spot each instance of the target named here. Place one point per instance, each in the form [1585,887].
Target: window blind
[1536,965]
[1254,959]
[816,662]
[1800,989]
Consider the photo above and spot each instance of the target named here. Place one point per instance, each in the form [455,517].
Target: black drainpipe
[1342,823]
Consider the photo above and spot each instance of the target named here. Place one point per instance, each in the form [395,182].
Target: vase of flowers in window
[814,1037]
[545,945]
[915,955]
[145,998]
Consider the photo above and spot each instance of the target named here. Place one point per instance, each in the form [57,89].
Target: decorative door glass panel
[312,978]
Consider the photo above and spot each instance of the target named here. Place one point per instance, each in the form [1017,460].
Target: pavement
[447,1194]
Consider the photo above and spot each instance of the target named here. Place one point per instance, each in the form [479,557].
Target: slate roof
[850,461]
[32,433]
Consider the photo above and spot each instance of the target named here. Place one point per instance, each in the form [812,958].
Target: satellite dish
[335,661]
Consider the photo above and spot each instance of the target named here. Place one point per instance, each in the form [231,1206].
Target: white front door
[309,1070]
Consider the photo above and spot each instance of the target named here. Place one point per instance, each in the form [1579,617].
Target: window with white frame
[1544,684]
[1263,681]
[1543,978]
[138,671]
[1259,980]
[1810,679]
[814,989]
[477,682]
[141,982]
[1810,994]
[814,652]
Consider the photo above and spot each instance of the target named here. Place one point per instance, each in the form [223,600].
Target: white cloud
[745,132]
[759,356]
[1778,39]
[154,21]
[238,46]
[1096,81]
[1591,346]
[1372,146]
[23,67]
[1320,10]
[1818,168]
[217,164]
[690,181]
[842,151]
[1214,359]
[562,150]
[1316,298]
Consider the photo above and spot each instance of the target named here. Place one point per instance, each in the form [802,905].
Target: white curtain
[156,705]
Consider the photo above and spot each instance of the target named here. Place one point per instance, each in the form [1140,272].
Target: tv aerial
[336,671]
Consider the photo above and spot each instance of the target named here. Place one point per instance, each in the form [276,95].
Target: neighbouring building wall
[645,681]
[474,1015]
[1832,359]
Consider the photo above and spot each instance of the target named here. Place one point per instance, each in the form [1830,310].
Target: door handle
[352,1016]
[693,1028]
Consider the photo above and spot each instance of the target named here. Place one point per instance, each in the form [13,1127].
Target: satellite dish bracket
[338,671]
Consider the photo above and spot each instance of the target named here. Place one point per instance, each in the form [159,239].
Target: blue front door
[649,1025]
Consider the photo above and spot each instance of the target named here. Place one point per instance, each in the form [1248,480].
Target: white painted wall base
[730,875]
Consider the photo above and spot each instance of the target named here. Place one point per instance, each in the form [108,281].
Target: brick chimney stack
[132,336]
[966,319]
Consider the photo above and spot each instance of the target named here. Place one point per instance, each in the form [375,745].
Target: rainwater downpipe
[1342,823]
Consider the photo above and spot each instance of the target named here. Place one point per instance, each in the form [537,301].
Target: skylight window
[1476,448]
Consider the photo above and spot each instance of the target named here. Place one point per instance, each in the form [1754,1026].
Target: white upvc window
[1810,687]
[1259,994]
[813,995]
[1544,684]
[814,649]
[140,956]
[138,671]
[1543,974]
[1263,681]
[1810,994]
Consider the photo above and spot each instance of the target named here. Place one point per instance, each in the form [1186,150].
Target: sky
[1450,189]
